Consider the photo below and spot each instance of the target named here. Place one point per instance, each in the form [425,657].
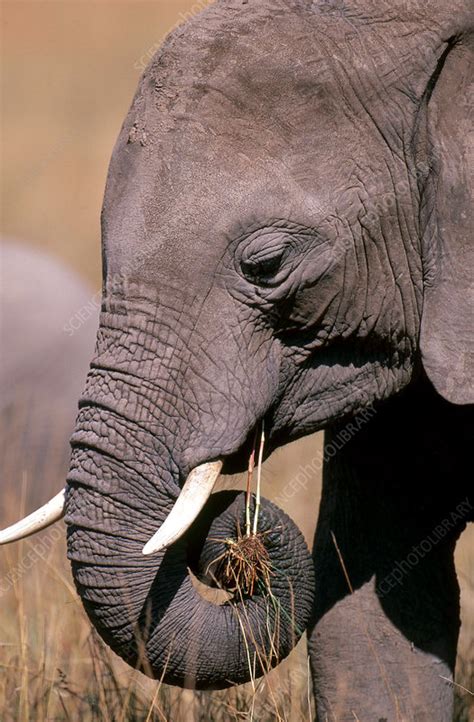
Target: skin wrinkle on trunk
[168,361]
[122,592]
[124,479]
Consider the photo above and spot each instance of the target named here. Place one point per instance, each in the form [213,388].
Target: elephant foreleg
[383,644]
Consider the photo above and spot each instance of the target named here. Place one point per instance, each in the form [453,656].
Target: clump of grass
[244,563]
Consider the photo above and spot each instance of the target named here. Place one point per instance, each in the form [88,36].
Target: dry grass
[243,565]
[464,706]
[54,668]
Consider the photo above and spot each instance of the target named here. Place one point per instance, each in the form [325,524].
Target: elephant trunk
[123,482]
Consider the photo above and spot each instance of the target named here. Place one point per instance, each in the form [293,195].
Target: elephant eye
[261,268]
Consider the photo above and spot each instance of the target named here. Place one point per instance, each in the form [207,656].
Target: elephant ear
[447,334]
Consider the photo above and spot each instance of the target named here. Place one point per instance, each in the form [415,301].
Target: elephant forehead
[245,113]
[207,145]
[276,62]
[251,51]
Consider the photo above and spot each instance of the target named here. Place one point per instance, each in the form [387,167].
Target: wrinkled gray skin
[43,361]
[286,237]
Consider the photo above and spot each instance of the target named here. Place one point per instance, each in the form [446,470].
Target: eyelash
[257,269]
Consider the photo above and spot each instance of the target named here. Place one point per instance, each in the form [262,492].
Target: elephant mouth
[237,461]
[197,490]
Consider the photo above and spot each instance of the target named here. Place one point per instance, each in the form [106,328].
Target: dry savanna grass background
[69,71]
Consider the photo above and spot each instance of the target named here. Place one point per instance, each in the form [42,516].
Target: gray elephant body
[286,239]
[395,499]
[43,360]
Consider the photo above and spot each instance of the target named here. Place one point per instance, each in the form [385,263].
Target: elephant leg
[383,642]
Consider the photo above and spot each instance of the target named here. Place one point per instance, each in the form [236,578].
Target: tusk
[196,491]
[38,520]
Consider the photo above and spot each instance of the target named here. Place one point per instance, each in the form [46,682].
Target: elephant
[49,320]
[286,248]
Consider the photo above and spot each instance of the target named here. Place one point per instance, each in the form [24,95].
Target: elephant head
[285,241]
